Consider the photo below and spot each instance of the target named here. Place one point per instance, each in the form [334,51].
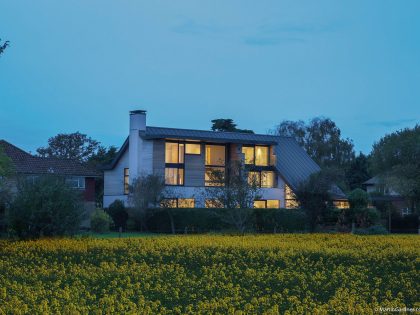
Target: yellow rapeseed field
[263,274]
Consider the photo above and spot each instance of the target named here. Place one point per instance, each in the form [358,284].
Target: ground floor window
[213,203]
[126,181]
[267,204]
[77,182]
[264,179]
[290,201]
[174,176]
[178,203]
[341,204]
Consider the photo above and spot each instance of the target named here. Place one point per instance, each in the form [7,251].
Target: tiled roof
[26,163]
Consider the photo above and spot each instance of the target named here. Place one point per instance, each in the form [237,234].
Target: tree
[321,138]
[6,166]
[396,159]
[236,191]
[118,214]
[6,170]
[70,146]
[359,211]
[314,197]
[357,171]
[227,124]
[3,46]
[146,193]
[45,206]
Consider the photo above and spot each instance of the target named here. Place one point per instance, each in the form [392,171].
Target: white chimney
[137,124]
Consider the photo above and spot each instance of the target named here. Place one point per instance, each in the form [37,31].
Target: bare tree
[236,191]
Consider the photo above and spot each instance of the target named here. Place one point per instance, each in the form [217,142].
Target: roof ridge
[212,131]
[14,147]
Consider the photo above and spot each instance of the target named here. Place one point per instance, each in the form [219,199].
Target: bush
[44,207]
[100,221]
[280,220]
[358,198]
[118,214]
[372,230]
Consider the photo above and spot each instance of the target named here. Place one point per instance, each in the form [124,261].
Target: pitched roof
[26,163]
[373,181]
[206,135]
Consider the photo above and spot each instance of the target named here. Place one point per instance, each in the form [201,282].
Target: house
[185,158]
[76,174]
[379,191]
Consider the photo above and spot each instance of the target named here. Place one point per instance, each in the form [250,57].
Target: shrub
[100,221]
[280,220]
[118,214]
[358,198]
[372,230]
[44,207]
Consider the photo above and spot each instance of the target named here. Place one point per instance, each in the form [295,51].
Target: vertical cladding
[194,169]
[235,152]
[159,157]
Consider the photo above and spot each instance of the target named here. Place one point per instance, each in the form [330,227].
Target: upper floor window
[126,181]
[215,155]
[76,182]
[174,153]
[193,148]
[256,155]
[265,179]
[174,176]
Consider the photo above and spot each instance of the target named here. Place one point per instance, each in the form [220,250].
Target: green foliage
[45,207]
[396,157]
[281,220]
[227,125]
[100,221]
[358,198]
[70,146]
[321,138]
[372,230]
[314,195]
[357,171]
[6,165]
[118,214]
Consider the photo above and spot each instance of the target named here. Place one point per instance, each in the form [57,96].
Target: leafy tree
[100,221]
[146,193]
[6,166]
[396,158]
[70,146]
[314,196]
[3,46]
[321,138]
[6,170]
[45,207]
[357,171]
[118,214]
[359,211]
[234,190]
[223,124]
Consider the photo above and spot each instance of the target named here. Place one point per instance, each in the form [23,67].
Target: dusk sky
[82,65]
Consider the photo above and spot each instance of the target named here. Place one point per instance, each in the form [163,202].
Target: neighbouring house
[379,191]
[76,174]
[186,157]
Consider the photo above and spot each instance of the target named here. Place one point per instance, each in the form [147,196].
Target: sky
[83,65]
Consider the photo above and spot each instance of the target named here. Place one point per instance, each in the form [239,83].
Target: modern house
[185,158]
[76,174]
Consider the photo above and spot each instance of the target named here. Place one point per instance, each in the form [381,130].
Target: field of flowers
[265,274]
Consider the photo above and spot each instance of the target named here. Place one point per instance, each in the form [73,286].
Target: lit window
[267,179]
[186,202]
[174,153]
[214,176]
[273,204]
[174,176]
[248,154]
[213,203]
[260,204]
[254,178]
[290,201]
[341,204]
[76,182]
[215,155]
[261,156]
[126,181]
[193,148]
[178,203]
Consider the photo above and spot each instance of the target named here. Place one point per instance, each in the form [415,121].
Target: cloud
[391,123]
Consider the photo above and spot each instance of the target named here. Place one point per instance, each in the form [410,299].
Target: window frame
[255,156]
[266,203]
[177,202]
[210,183]
[126,180]
[178,166]
[73,178]
[193,144]
[260,177]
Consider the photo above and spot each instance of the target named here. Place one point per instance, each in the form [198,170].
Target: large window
[213,203]
[267,204]
[77,182]
[264,179]
[178,203]
[174,163]
[126,181]
[256,155]
[215,165]
[290,201]
[215,155]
